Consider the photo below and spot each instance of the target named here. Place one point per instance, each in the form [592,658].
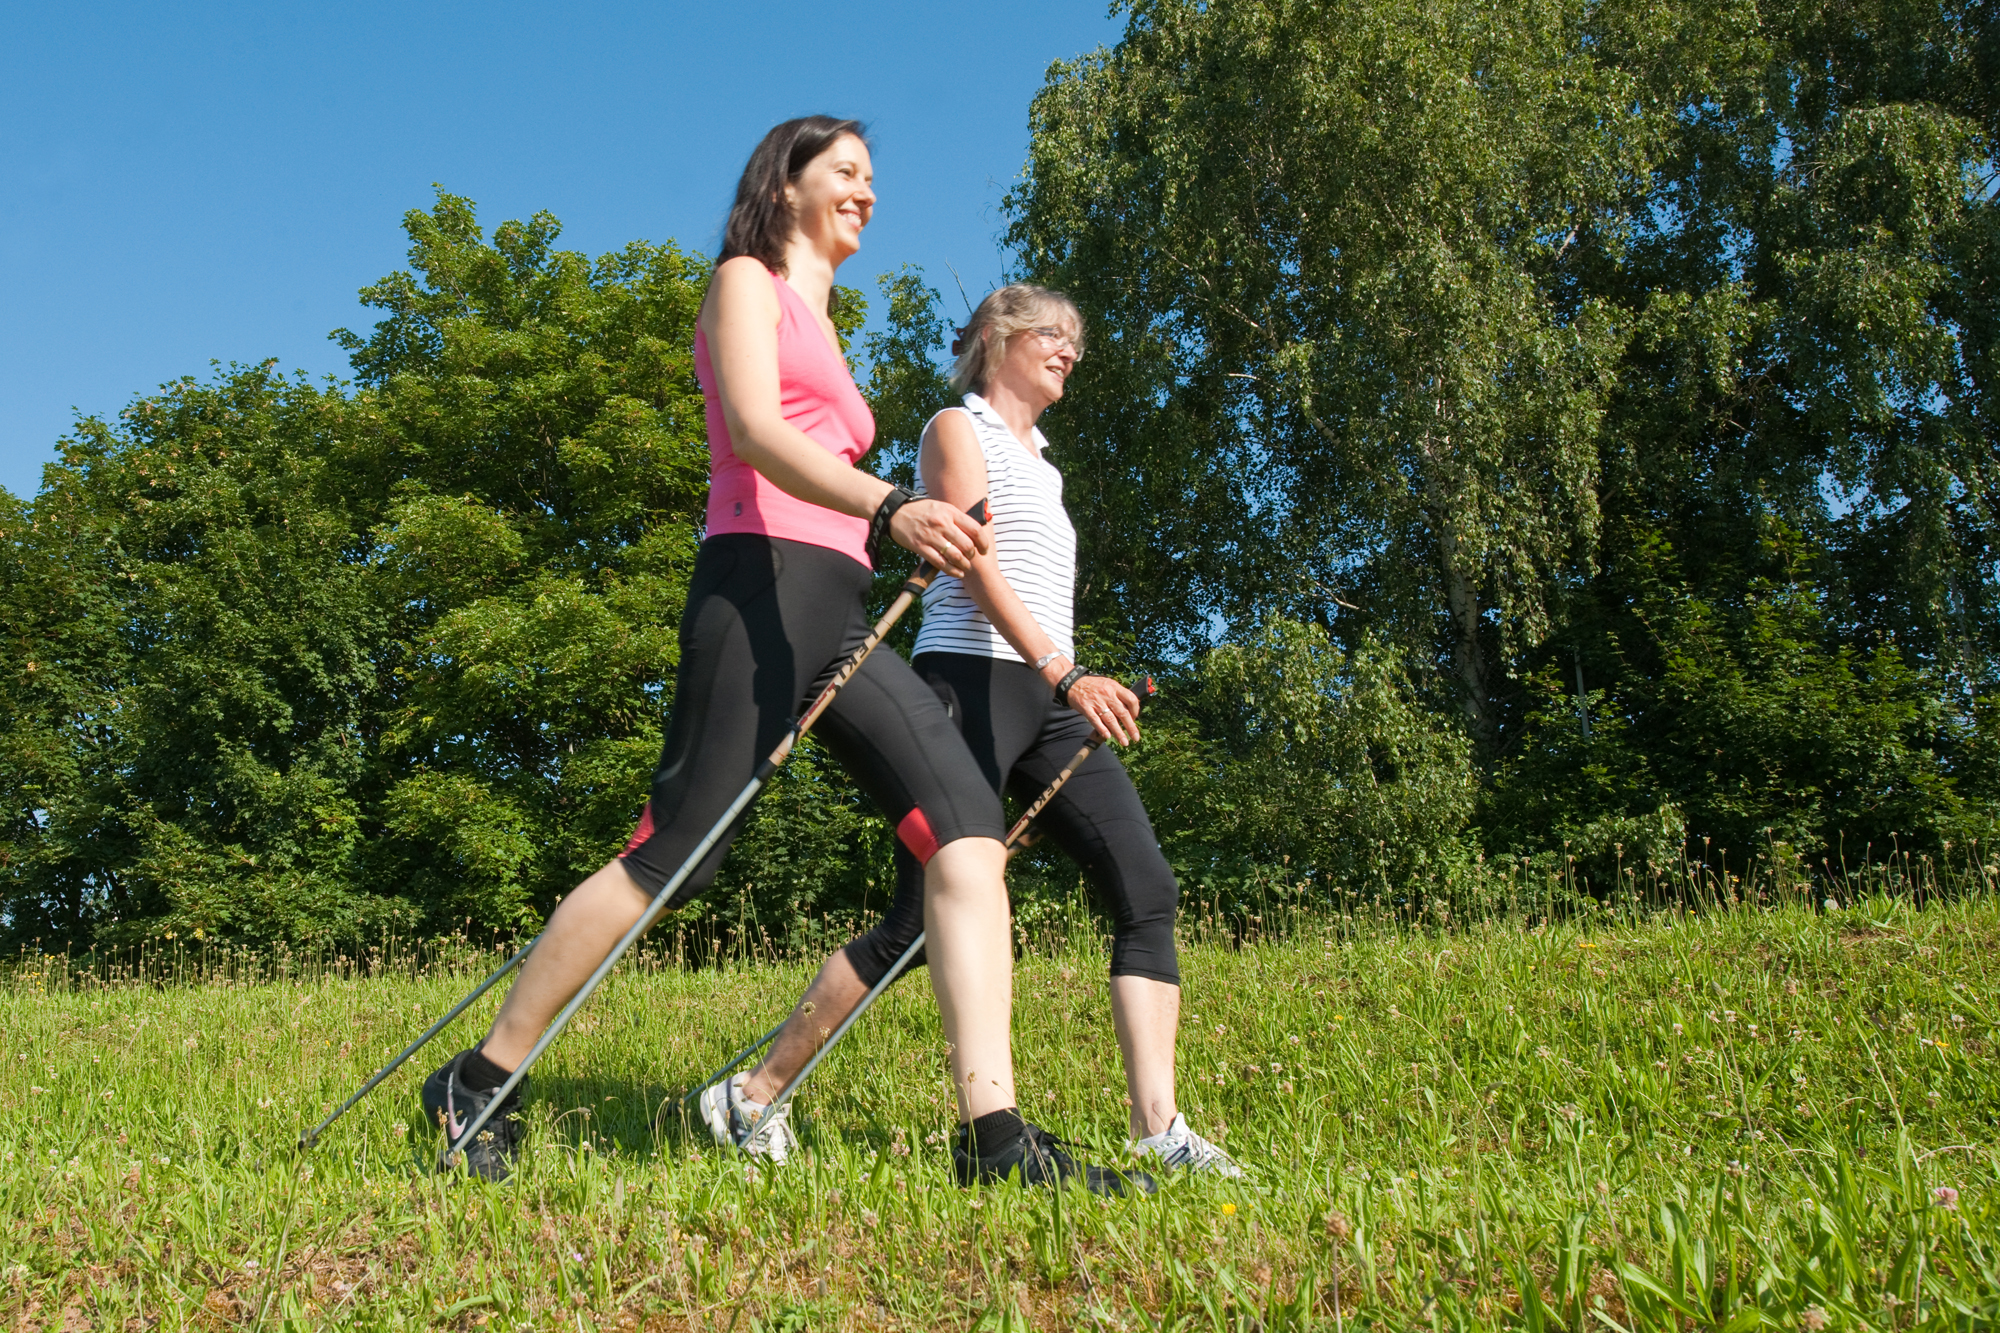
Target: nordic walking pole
[913,587]
[1145,690]
[738,1059]
[311,1136]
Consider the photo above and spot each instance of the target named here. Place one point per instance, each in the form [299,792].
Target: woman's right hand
[941,535]
[1107,706]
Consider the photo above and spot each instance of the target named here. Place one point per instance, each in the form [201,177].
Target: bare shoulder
[951,447]
[952,431]
[740,288]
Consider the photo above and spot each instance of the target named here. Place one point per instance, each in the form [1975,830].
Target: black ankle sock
[992,1132]
[479,1072]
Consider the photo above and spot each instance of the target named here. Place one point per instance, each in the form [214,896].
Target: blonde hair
[1015,308]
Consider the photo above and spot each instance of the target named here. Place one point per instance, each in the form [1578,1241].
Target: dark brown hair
[760,222]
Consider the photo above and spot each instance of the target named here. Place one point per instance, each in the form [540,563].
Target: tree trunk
[1461,595]
[1468,660]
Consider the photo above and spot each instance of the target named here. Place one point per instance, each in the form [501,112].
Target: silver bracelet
[1047,658]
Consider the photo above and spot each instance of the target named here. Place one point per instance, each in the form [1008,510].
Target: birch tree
[1331,256]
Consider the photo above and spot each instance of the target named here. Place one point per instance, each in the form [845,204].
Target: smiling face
[833,198]
[1036,366]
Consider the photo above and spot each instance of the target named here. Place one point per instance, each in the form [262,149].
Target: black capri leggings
[767,621]
[1021,738]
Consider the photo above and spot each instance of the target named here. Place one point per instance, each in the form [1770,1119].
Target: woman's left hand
[1107,706]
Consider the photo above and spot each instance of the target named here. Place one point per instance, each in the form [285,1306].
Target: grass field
[1776,1118]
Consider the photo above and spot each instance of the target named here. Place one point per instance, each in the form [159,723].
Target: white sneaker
[732,1118]
[1179,1148]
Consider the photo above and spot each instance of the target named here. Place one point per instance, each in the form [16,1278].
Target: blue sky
[181,183]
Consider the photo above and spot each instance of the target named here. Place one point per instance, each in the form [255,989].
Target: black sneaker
[452,1106]
[1041,1159]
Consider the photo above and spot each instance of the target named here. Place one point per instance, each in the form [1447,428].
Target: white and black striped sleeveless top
[1031,535]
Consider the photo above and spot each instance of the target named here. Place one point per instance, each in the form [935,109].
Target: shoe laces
[768,1124]
[1198,1152]
[1051,1150]
[1179,1147]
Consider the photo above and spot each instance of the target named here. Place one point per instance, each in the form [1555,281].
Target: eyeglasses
[1057,338]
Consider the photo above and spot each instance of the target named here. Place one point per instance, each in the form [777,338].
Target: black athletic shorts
[767,622]
[1021,738]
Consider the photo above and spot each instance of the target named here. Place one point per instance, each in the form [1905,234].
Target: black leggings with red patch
[1021,738]
[767,622]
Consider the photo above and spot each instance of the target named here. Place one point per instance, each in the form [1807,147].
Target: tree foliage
[1517,343]
[1557,430]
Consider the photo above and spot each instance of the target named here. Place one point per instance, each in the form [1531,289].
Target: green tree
[1802,443]
[542,497]
[1291,761]
[193,644]
[1330,254]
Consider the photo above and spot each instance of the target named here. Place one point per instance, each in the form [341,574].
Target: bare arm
[740,318]
[954,470]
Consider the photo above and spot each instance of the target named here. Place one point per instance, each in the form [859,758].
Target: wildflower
[1944,1196]
[1677,1029]
[575,1258]
[1338,1227]
[870,1218]
[1229,1210]
[1292,1039]
[37,1089]
[1585,944]
[1814,1319]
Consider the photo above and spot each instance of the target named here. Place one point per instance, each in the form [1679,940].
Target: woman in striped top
[996,646]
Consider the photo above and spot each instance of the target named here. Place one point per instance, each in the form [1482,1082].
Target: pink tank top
[817,394]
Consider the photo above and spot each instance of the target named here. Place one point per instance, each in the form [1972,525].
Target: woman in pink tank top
[775,601]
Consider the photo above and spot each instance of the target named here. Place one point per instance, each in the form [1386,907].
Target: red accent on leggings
[915,831]
[643,832]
